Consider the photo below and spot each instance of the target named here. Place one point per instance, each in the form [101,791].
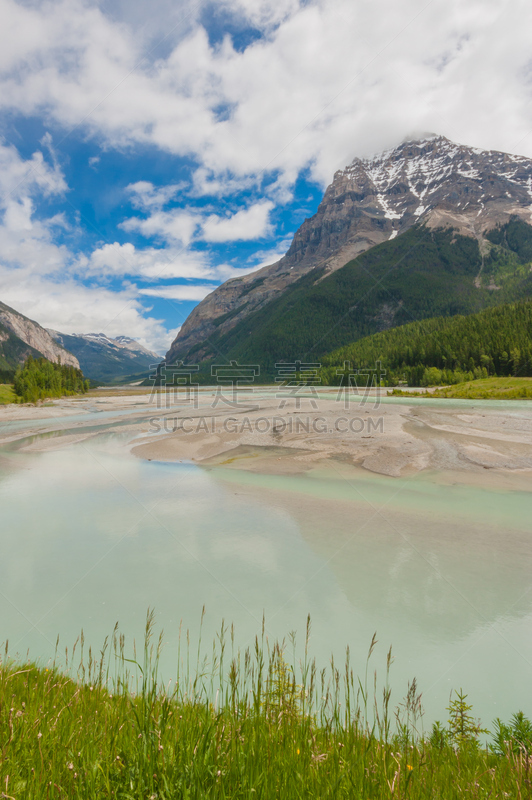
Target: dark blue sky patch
[219,23]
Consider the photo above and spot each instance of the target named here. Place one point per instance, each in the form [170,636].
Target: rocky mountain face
[105,359]
[21,337]
[430,181]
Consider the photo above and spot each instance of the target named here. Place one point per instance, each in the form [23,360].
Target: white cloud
[40,278]
[22,178]
[176,226]
[182,226]
[179,292]
[70,307]
[327,81]
[149,263]
[146,196]
[205,182]
[249,223]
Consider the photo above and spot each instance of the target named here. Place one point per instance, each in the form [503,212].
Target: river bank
[482,441]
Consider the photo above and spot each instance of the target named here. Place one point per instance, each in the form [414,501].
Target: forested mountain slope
[430,182]
[420,274]
[446,350]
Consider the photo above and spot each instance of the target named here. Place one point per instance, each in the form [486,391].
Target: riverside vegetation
[39,378]
[7,394]
[240,725]
[483,389]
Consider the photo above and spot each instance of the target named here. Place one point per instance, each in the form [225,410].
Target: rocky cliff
[28,337]
[431,180]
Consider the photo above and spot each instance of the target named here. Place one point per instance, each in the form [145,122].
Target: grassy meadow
[237,725]
[489,389]
[484,389]
[7,393]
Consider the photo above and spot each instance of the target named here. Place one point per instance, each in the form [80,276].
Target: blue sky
[148,153]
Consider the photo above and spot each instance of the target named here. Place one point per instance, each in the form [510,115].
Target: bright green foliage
[490,389]
[240,726]
[39,378]
[464,729]
[483,389]
[7,394]
[439,737]
[515,736]
[497,341]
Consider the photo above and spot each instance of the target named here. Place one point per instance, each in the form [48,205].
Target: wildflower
[408,766]
[297,751]
[39,735]
[70,765]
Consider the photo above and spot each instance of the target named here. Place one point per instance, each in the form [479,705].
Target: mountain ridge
[105,359]
[432,181]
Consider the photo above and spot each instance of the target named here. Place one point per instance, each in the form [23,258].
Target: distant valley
[108,360]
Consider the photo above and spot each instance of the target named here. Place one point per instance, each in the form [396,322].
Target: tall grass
[233,725]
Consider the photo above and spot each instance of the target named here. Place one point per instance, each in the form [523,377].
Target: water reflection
[90,537]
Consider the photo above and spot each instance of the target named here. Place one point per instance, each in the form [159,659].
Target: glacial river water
[442,572]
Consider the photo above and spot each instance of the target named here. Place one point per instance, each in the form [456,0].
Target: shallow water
[442,572]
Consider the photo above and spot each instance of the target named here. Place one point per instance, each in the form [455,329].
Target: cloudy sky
[150,151]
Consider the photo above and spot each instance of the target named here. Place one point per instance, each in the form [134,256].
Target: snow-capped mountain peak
[417,177]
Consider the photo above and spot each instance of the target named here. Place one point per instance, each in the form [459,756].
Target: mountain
[420,274]
[107,360]
[21,337]
[413,220]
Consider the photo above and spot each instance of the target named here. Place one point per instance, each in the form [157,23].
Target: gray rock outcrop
[35,336]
